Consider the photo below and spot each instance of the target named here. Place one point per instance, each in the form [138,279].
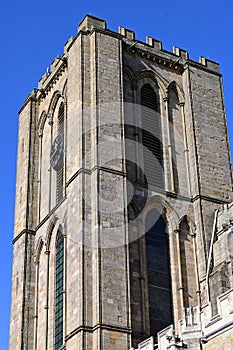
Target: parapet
[90,22]
[68,44]
[158,46]
[181,53]
[209,64]
[129,34]
[57,65]
[154,46]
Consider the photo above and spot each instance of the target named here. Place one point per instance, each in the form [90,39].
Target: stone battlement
[90,23]
[151,45]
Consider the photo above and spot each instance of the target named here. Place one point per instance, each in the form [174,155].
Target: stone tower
[123,222]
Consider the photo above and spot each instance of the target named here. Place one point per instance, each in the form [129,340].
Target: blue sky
[33,34]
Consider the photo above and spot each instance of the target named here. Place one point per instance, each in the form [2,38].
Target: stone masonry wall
[99,72]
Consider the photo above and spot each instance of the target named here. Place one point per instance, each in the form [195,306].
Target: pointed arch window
[60,171]
[158,272]
[151,137]
[59,276]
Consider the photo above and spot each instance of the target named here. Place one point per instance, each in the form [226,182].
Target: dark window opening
[151,137]
[60,172]
[158,273]
[59,275]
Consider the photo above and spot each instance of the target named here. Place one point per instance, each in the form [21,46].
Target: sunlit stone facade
[123,221]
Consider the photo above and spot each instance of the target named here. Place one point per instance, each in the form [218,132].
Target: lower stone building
[210,326]
[123,221]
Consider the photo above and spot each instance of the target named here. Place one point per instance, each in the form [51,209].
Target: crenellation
[52,75]
[129,34]
[156,44]
[181,53]
[214,66]
[55,63]
[43,79]
[90,22]
[68,44]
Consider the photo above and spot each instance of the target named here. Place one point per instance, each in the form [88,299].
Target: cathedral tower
[123,180]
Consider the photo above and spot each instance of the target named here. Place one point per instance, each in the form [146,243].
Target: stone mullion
[40,169]
[65,289]
[143,281]
[186,150]
[173,278]
[136,126]
[163,119]
[180,287]
[50,121]
[47,252]
[196,270]
[36,304]
[65,147]
[169,146]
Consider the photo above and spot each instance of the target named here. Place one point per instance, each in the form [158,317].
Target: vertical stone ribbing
[100,78]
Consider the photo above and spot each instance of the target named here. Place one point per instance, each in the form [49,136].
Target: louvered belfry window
[59,275]
[158,272]
[151,137]
[60,172]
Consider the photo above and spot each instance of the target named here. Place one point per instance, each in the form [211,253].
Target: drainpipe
[210,253]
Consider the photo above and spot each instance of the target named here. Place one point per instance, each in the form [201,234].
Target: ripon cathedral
[123,233]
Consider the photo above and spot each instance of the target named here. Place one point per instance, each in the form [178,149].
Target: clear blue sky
[33,34]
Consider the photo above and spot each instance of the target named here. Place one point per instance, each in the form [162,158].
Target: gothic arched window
[158,272]
[60,171]
[151,137]
[59,276]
